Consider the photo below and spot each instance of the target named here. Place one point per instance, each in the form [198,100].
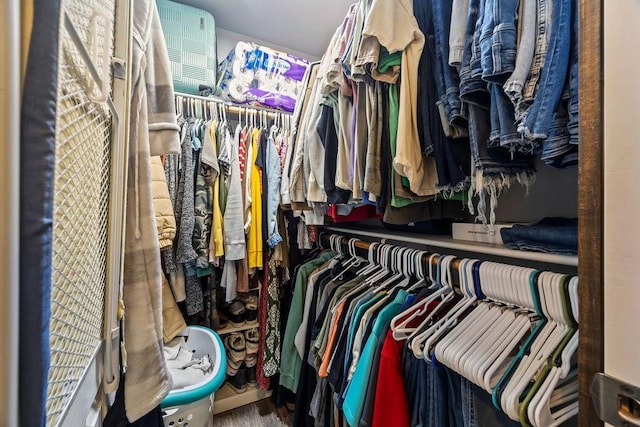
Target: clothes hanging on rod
[451,97]
[227,261]
[387,335]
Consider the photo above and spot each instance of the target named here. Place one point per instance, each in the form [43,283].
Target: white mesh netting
[81,207]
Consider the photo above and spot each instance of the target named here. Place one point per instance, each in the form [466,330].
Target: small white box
[478,232]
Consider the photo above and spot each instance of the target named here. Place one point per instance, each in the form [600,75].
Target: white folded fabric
[185,370]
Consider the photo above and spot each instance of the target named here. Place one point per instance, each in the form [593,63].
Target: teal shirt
[322,339]
[355,318]
[353,326]
[357,388]
[291,362]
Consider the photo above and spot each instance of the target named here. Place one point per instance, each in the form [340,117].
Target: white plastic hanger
[444,346]
[539,409]
[478,345]
[375,258]
[373,264]
[491,372]
[424,333]
[542,351]
[396,262]
[398,325]
[488,332]
[442,291]
[510,398]
[466,334]
[354,259]
[419,336]
[415,337]
[541,337]
[442,334]
[418,269]
[358,288]
[550,394]
[405,268]
[383,260]
[335,243]
[542,415]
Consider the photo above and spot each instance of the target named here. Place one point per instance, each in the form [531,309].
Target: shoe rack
[230,328]
[226,398]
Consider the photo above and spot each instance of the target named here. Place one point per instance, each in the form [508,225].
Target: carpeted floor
[259,414]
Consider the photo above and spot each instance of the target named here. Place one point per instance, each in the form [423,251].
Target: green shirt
[291,362]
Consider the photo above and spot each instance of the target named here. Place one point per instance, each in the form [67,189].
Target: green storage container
[190,34]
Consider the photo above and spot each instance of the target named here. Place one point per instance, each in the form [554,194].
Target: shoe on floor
[238,382]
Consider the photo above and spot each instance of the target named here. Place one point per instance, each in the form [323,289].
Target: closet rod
[234,108]
[365,246]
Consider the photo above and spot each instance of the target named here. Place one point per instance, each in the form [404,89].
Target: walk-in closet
[319,213]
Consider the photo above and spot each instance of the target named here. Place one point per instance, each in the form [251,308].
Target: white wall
[228,39]
[621,191]
[300,25]
[9,208]
[555,193]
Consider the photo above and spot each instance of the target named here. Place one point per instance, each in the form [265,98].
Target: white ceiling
[302,25]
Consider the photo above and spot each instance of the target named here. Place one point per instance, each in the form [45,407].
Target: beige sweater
[165,219]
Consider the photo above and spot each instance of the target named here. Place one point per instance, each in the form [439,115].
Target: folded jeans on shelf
[550,235]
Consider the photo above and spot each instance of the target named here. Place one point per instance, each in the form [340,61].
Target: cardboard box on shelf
[480,233]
